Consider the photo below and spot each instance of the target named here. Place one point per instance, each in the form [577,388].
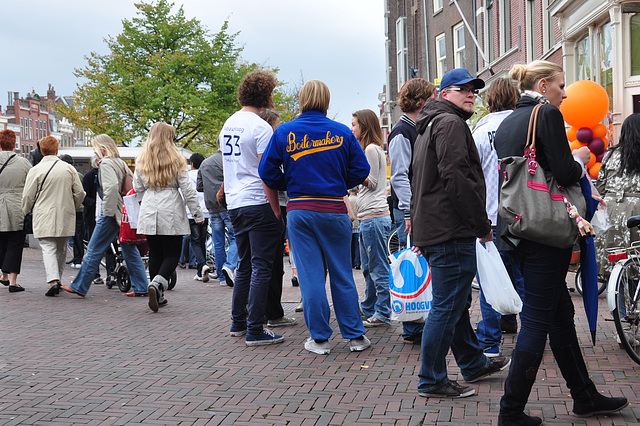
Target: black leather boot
[517,387]
[587,401]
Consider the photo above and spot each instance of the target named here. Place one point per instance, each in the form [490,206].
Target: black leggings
[11,244]
[164,254]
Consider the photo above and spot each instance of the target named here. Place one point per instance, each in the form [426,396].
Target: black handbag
[27,227]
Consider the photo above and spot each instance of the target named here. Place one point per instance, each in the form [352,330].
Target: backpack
[127,181]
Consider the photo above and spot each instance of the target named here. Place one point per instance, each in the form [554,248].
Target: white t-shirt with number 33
[244,136]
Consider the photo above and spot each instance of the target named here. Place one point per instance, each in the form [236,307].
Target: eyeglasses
[464,90]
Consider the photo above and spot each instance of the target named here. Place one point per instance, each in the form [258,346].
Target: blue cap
[458,77]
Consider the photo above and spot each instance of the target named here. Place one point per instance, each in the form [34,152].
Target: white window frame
[402,51]
[438,5]
[441,61]
[505,25]
[459,60]
[547,27]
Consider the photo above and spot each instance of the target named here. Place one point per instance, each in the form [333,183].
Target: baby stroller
[120,275]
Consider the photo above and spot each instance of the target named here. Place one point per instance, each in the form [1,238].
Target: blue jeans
[258,233]
[453,266]
[547,309]
[318,237]
[107,230]
[135,267]
[229,257]
[512,264]
[355,248]
[197,241]
[398,217]
[187,255]
[375,267]
[489,332]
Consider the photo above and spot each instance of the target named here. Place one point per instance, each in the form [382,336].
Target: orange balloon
[592,160]
[606,143]
[599,131]
[576,144]
[571,133]
[586,105]
[594,170]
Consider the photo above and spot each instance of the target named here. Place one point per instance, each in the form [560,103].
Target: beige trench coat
[12,181]
[162,212]
[54,212]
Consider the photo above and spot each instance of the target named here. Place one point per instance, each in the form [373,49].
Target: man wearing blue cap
[448,213]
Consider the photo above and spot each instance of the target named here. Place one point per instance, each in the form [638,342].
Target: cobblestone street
[108,359]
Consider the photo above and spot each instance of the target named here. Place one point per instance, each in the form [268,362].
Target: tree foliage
[162,67]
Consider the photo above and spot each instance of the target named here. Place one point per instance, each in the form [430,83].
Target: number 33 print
[231,141]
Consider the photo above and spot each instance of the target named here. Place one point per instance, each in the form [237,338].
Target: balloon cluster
[586,105]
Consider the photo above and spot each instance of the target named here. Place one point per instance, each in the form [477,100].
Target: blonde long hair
[160,162]
[104,143]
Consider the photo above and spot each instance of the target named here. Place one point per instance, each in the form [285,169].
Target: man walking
[447,214]
[210,178]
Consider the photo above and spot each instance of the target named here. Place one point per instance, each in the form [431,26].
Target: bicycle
[623,293]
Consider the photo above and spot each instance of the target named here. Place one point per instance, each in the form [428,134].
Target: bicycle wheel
[602,283]
[123,279]
[626,314]
[393,243]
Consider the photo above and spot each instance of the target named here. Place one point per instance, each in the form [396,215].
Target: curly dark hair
[413,92]
[629,144]
[7,140]
[256,89]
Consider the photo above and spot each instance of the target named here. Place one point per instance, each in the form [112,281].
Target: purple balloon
[599,158]
[596,146]
[584,135]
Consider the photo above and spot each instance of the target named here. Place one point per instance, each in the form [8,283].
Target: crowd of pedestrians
[304,184]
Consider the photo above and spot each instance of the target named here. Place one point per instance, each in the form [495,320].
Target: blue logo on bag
[397,306]
[409,275]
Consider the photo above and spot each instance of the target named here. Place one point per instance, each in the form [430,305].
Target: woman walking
[547,306]
[375,221]
[53,192]
[13,173]
[160,172]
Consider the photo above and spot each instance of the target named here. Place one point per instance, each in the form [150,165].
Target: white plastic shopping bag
[132,204]
[495,281]
[600,220]
[409,286]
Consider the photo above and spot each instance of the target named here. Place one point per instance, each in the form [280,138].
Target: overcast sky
[338,41]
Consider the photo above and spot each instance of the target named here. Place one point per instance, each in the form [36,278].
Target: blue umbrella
[588,264]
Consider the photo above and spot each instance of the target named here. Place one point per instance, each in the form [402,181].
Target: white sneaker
[197,277]
[359,345]
[76,265]
[229,275]
[317,348]
[281,322]
[205,273]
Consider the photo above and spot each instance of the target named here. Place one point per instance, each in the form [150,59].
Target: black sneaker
[495,364]
[451,389]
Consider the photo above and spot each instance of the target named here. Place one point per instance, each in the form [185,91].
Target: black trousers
[164,254]
[11,245]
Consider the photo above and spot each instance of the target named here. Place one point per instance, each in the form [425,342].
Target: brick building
[33,117]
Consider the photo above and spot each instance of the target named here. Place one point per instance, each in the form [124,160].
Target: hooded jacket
[448,189]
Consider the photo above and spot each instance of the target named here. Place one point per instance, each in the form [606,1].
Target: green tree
[162,67]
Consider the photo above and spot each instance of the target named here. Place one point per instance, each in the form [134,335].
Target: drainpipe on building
[426,40]
[473,36]
[475,32]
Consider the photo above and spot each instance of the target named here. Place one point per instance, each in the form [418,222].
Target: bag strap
[6,162]
[533,124]
[42,184]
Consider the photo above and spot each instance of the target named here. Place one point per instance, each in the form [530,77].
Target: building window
[458,43]
[530,15]
[505,25]
[635,44]
[441,55]
[583,59]
[548,26]
[402,51]
[437,5]
[31,128]
[489,39]
[606,60]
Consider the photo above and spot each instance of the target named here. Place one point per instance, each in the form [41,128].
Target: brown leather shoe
[134,294]
[70,290]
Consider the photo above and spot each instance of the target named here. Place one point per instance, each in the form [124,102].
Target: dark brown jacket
[448,189]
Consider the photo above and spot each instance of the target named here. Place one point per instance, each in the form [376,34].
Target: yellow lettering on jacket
[308,146]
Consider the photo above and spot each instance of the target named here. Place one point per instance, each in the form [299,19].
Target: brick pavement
[108,359]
